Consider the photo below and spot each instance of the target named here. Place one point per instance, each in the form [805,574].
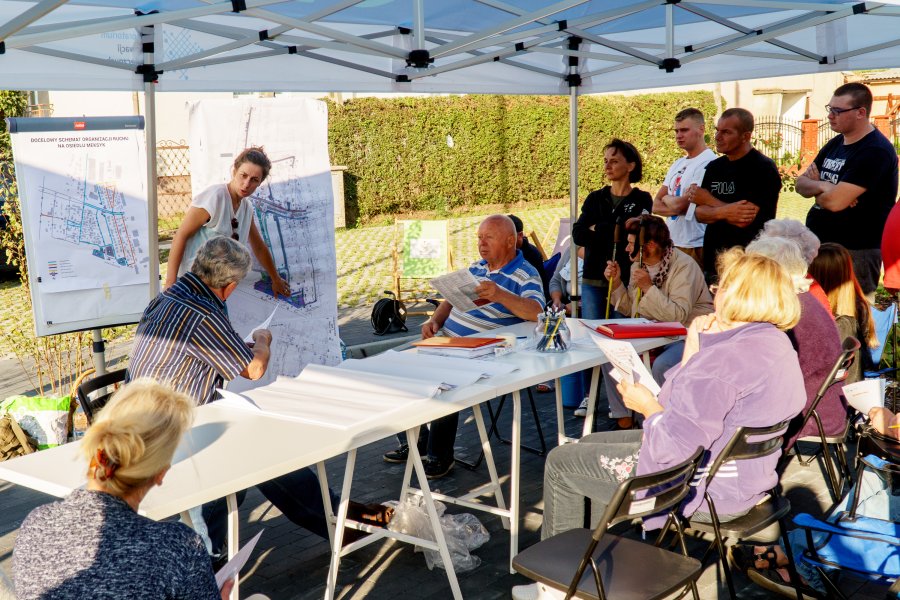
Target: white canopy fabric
[456,46]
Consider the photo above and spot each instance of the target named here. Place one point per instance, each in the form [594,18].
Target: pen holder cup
[552,334]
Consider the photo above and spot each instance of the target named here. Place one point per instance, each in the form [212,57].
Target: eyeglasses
[838,111]
[234,226]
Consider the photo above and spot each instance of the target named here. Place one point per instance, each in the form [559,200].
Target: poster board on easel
[421,251]
[82,185]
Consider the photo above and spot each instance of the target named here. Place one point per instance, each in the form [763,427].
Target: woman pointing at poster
[223,209]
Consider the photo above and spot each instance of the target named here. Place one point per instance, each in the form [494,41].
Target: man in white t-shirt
[686,231]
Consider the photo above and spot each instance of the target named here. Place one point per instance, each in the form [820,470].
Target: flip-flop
[774,581]
[743,557]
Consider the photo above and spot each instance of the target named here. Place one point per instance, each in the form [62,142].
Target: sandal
[744,558]
[774,581]
[545,388]
[376,515]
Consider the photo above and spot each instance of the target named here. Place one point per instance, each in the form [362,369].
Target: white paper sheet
[457,288]
[233,567]
[413,360]
[448,378]
[343,408]
[264,325]
[331,382]
[865,395]
[626,362]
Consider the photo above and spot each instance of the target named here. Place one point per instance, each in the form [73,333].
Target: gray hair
[220,261]
[796,232]
[787,253]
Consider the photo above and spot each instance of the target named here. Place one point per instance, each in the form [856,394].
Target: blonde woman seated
[93,544]
[668,286]
[738,369]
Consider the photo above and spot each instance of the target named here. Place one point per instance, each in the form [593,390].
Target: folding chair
[884,324]
[865,546]
[621,568]
[835,443]
[94,393]
[421,252]
[747,443]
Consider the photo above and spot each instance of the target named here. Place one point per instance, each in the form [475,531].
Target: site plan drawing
[294,213]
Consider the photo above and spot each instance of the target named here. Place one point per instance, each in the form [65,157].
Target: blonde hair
[135,435]
[833,269]
[755,289]
[788,254]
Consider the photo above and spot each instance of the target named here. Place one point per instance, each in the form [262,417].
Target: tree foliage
[439,153]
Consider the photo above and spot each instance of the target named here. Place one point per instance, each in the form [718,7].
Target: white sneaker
[581,411]
[537,591]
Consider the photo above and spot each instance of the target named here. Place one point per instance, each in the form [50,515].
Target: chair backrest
[563,235]
[93,404]
[839,372]
[650,494]
[750,442]
[884,321]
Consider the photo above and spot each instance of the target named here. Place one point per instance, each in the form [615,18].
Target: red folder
[627,331]
[467,343]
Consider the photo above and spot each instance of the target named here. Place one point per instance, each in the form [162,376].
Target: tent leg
[99,352]
[147,35]
[573,176]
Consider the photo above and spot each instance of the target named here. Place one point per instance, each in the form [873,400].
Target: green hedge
[504,148]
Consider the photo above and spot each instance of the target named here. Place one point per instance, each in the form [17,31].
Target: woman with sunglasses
[224,209]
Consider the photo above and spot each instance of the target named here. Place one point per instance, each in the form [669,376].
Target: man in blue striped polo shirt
[513,293]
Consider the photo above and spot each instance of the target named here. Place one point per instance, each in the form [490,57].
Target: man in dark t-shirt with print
[739,192]
[854,182]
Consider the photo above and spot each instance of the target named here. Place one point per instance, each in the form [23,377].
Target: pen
[893,426]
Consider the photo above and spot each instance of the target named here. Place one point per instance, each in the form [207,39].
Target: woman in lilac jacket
[739,369]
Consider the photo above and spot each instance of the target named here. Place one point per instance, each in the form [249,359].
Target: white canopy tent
[455,46]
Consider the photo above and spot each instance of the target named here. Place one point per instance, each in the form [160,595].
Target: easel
[438,261]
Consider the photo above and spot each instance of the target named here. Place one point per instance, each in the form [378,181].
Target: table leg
[516,452]
[592,402]
[326,500]
[646,357]
[489,460]
[560,416]
[234,539]
[407,472]
[432,512]
[337,541]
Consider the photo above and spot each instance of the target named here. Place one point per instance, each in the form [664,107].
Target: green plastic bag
[45,419]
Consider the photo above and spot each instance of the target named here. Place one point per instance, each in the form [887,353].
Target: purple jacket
[748,376]
[818,344]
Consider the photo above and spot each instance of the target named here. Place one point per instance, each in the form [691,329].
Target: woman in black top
[601,211]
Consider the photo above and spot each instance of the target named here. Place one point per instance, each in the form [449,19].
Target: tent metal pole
[150,136]
[98,350]
[574,83]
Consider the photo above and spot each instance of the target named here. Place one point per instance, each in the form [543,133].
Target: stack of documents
[452,371]
[333,397]
[462,347]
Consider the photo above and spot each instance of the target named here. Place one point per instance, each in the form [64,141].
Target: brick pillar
[809,141]
[883,124]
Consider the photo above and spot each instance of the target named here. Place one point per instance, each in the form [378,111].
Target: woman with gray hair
[808,242]
[815,338]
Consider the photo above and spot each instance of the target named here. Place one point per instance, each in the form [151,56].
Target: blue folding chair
[884,323]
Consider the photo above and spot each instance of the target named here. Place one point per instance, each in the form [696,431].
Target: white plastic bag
[463,532]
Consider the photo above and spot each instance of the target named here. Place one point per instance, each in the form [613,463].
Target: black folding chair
[834,443]
[621,568]
[748,443]
[94,393]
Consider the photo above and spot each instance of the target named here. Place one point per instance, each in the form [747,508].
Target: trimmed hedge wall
[438,153]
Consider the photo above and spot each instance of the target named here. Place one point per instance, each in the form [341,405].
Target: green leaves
[441,153]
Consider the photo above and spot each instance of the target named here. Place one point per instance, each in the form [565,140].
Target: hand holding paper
[264,325]
[865,395]
[459,289]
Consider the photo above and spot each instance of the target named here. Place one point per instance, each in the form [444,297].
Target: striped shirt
[516,276]
[185,340]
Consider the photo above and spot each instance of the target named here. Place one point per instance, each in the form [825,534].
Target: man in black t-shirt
[854,182]
[739,192]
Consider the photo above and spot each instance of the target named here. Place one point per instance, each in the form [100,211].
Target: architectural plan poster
[294,213]
[83,189]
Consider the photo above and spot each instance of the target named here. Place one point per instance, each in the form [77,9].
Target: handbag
[13,441]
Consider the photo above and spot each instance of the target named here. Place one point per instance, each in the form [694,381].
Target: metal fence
[173,168]
[825,133]
[895,131]
[778,138]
